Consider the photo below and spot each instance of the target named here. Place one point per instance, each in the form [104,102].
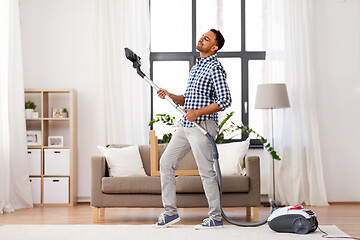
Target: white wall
[58,53]
[57,40]
[337,72]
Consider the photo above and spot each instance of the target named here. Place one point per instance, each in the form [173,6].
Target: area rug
[181,232]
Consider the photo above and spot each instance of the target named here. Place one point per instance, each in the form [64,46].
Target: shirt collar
[206,59]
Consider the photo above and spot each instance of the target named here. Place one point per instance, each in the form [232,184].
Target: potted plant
[64,113]
[29,108]
[223,130]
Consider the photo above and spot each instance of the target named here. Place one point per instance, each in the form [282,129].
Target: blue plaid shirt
[206,85]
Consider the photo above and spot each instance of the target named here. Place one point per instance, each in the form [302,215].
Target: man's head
[210,42]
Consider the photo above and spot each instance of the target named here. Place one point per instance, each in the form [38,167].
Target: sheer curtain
[14,174]
[299,175]
[124,97]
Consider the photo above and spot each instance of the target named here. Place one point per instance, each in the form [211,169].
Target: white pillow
[123,162]
[230,156]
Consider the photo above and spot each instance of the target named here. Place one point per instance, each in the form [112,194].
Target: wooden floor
[345,216]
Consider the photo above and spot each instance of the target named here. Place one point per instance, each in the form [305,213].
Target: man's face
[207,43]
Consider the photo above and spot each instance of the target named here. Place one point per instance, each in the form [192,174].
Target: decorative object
[33,138]
[64,113]
[123,162]
[272,96]
[35,115]
[56,112]
[231,156]
[29,108]
[224,129]
[56,141]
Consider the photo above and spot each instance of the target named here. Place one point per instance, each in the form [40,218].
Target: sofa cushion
[193,184]
[231,157]
[131,185]
[144,153]
[123,162]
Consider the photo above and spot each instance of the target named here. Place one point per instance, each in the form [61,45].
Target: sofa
[145,191]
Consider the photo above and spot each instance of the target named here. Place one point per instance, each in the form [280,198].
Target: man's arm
[192,114]
[177,98]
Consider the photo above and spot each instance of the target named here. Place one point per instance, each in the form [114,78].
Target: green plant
[167,120]
[30,105]
[223,130]
[233,128]
[64,110]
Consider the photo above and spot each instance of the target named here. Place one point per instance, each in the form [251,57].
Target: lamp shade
[272,95]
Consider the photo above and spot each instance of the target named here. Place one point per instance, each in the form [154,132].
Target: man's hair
[219,38]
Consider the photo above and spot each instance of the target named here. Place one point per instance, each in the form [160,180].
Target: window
[176,27]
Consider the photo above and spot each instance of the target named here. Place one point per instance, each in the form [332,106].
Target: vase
[28,113]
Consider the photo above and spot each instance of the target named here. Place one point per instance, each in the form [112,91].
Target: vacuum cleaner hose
[136,64]
[273,205]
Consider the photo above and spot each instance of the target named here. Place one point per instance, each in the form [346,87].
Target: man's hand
[192,114]
[162,93]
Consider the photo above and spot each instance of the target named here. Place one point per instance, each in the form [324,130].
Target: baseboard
[83,199]
[264,200]
[344,203]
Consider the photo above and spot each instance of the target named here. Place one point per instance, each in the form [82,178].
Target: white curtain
[15,189]
[124,96]
[299,175]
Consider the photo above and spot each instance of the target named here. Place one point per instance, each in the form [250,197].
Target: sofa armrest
[252,165]
[98,171]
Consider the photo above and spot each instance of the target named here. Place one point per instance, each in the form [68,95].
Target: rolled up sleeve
[223,96]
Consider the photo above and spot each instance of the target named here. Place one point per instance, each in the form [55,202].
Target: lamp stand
[272,142]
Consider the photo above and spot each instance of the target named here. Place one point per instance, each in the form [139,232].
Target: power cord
[326,235]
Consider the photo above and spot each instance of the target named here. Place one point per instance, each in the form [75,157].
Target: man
[206,94]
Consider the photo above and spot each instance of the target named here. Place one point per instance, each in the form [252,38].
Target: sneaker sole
[200,227]
[168,224]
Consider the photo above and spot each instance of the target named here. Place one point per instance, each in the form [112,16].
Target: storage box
[56,190]
[36,189]
[34,157]
[57,161]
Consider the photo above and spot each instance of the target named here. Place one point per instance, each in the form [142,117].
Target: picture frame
[56,141]
[33,138]
[56,112]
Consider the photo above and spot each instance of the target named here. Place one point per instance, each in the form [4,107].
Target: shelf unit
[46,99]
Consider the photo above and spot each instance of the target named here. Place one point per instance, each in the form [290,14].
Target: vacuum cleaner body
[293,219]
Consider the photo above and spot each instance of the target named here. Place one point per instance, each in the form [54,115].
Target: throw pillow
[230,157]
[123,162]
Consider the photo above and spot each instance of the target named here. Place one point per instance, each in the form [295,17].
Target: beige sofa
[117,192]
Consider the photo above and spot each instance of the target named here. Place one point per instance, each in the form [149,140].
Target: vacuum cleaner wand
[136,64]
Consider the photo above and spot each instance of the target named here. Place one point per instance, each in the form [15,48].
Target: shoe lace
[161,218]
[208,221]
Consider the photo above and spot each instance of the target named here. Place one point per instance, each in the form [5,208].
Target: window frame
[191,57]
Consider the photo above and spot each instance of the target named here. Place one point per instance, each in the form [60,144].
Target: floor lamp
[272,96]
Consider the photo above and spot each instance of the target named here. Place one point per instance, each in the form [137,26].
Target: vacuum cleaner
[294,219]
[290,219]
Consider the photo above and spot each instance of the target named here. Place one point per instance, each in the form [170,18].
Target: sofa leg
[102,212]
[256,214]
[95,214]
[248,211]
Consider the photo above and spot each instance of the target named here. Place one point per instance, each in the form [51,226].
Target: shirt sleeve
[223,96]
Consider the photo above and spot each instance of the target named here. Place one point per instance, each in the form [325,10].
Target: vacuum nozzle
[132,56]
[135,59]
